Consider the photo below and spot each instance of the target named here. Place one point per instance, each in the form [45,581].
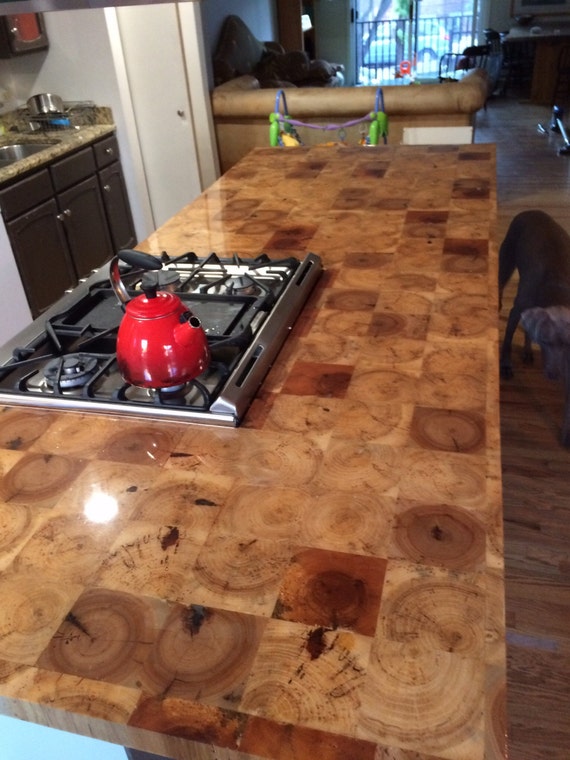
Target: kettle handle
[139,259]
[135,259]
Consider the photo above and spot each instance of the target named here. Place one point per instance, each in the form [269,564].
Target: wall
[499,15]
[259,15]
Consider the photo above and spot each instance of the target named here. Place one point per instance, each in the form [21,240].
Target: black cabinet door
[66,220]
[83,216]
[117,207]
[42,255]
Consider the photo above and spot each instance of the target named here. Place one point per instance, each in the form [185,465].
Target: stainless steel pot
[45,103]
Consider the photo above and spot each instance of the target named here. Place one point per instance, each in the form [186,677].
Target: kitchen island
[326,580]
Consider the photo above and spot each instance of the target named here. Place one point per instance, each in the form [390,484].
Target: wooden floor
[536,469]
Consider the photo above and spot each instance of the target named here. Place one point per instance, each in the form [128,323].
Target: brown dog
[539,249]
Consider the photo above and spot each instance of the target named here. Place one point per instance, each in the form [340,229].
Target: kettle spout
[190,335]
[189,328]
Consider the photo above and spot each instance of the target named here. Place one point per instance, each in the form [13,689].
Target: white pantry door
[154,64]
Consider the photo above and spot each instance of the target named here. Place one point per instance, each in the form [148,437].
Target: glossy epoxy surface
[325,580]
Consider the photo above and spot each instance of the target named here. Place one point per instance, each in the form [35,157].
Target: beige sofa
[241,110]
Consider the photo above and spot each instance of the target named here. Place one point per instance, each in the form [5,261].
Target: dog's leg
[528,356]
[506,364]
[565,434]
[507,264]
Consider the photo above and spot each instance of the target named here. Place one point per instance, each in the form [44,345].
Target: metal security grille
[396,40]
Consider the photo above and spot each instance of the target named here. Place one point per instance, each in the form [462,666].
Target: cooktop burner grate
[66,358]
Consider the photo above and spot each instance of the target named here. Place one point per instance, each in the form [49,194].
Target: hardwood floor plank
[536,468]
[537,694]
[537,613]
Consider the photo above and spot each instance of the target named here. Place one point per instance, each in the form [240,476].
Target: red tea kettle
[160,343]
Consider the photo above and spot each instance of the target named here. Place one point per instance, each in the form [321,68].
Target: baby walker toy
[283,133]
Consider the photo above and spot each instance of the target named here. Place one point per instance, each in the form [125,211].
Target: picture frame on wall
[22,33]
[539,7]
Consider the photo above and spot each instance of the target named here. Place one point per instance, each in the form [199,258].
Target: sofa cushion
[291,67]
[245,82]
[321,70]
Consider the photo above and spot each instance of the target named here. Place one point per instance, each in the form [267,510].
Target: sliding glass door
[405,39]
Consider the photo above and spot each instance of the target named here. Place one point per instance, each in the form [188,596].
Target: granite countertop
[325,581]
[87,125]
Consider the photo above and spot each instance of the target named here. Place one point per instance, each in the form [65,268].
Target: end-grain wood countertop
[325,581]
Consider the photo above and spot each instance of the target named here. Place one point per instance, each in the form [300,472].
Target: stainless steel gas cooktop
[66,358]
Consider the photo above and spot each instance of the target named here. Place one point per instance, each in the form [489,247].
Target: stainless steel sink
[9,154]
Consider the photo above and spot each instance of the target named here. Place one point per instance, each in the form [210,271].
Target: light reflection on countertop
[101,507]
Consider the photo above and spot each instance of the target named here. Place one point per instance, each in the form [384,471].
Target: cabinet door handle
[61,217]
[109,151]
[107,188]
